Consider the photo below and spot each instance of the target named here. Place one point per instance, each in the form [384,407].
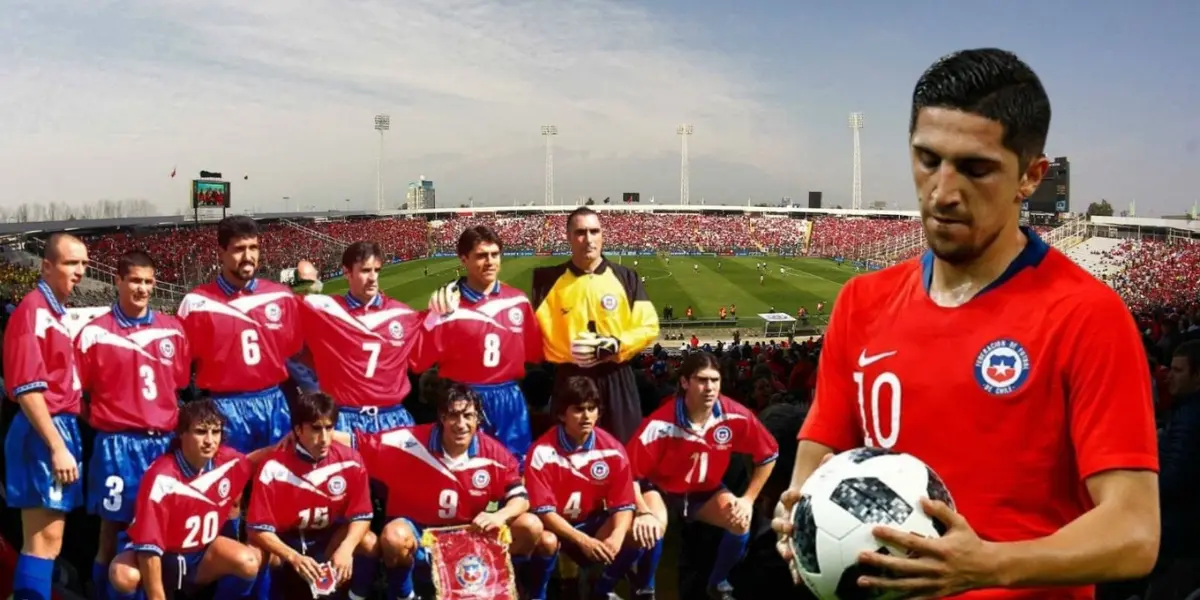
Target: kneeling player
[311,504]
[445,474]
[679,457]
[580,485]
[186,496]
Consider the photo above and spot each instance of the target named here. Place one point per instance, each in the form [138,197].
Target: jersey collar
[600,269]
[435,442]
[376,301]
[186,468]
[232,290]
[305,455]
[1031,256]
[565,443]
[473,296]
[681,416]
[127,321]
[51,299]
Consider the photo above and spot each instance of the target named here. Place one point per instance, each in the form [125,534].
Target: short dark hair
[198,412]
[575,390]
[1191,351]
[993,84]
[132,260]
[50,250]
[360,252]
[478,234]
[235,228]
[580,211]
[312,407]
[449,392]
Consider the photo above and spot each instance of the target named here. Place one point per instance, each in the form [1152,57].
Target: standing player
[42,449]
[1034,356]
[132,362]
[173,542]
[580,486]
[312,504]
[679,458]
[460,472]
[484,338]
[595,317]
[361,343]
[241,330]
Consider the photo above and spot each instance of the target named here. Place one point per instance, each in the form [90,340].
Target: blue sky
[102,100]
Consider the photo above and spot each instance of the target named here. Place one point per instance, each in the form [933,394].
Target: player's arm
[428,345]
[544,503]
[515,500]
[27,380]
[621,501]
[147,540]
[358,511]
[641,328]
[761,447]
[150,568]
[535,353]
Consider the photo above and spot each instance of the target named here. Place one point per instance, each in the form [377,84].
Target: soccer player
[679,458]
[580,486]
[361,344]
[132,362]
[312,504]
[460,472]
[481,332]
[173,543]
[1034,418]
[595,317]
[43,449]
[241,330]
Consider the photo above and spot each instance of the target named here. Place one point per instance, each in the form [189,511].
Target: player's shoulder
[548,438]
[166,464]
[340,453]
[607,441]
[390,303]
[267,286]
[161,320]
[508,292]
[884,280]
[620,271]
[226,455]
[733,407]
[490,447]
[550,273]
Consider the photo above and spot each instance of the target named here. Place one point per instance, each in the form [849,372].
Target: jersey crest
[481,479]
[1002,367]
[337,485]
[722,435]
[600,470]
[609,302]
[471,573]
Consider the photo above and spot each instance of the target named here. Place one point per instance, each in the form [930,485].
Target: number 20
[888,380]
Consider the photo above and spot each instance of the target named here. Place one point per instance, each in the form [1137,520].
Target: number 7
[373,360]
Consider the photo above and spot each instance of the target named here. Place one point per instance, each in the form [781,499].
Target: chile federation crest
[1002,367]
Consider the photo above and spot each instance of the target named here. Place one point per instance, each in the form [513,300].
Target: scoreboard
[1053,195]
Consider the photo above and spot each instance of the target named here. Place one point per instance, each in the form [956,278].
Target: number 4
[574,506]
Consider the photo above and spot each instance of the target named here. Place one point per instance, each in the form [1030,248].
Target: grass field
[719,281]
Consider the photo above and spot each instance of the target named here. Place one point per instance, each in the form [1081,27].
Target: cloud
[103,99]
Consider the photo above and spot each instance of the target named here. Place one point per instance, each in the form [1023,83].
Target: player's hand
[595,550]
[741,509]
[782,525]
[66,470]
[647,530]
[954,563]
[305,566]
[614,545]
[589,349]
[487,522]
[445,299]
[342,563]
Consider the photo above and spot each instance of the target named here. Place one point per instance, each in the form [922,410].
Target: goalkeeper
[595,317]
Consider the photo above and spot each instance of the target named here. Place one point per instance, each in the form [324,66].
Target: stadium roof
[160,221]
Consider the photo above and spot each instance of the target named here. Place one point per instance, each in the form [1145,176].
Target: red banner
[470,565]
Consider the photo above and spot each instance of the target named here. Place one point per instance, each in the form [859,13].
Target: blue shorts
[686,505]
[372,419]
[29,480]
[178,570]
[115,471]
[254,419]
[505,417]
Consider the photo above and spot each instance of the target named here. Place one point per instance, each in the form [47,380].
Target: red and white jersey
[241,338]
[486,341]
[432,489]
[132,369]
[678,457]
[293,493]
[578,481]
[361,352]
[38,356]
[181,511]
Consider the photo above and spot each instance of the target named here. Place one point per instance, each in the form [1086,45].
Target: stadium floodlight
[684,131]
[548,132]
[856,124]
[382,124]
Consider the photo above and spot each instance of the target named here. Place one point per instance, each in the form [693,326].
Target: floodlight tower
[856,125]
[548,132]
[382,124]
[683,131]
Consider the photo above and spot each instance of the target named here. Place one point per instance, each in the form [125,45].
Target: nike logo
[865,361]
[565,310]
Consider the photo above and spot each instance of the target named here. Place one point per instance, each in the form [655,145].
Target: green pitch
[704,283]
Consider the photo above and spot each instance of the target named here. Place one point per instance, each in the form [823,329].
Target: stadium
[774,271]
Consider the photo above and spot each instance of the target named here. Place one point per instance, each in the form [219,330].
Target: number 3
[115,485]
[149,388]
[491,350]
[892,382]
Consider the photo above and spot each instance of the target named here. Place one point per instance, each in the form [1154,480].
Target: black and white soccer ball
[843,500]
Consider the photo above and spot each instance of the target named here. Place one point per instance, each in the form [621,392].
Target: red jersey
[132,369]
[361,352]
[678,457]
[294,494]
[486,341]
[432,489]
[38,356]
[578,481]
[181,511]
[241,338]
[1036,380]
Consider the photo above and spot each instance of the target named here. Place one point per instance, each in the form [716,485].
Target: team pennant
[470,565]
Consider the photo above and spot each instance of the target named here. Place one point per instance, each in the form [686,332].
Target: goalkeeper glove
[444,299]
[589,349]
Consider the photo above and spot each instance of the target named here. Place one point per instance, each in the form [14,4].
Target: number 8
[491,350]
[892,382]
